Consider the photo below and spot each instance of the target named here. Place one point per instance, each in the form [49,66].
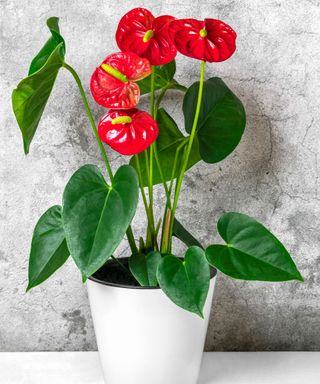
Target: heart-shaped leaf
[96,215]
[49,249]
[179,231]
[221,122]
[252,252]
[32,93]
[186,282]
[163,79]
[144,268]
[169,140]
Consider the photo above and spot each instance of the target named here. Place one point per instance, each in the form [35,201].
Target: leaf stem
[165,230]
[121,264]
[129,233]
[144,198]
[179,87]
[175,163]
[166,190]
[131,240]
[165,243]
[188,150]
[149,207]
[159,99]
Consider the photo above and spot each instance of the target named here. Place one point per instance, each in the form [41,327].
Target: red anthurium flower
[128,132]
[209,40]
[113,82]
[147,36]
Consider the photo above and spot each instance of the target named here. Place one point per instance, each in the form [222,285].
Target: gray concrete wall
[273,175]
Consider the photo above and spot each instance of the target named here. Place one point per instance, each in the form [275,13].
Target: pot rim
[213,273]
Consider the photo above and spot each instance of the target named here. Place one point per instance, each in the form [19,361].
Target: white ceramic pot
[143,338]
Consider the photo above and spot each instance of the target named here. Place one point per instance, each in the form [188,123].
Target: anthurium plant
[98,205]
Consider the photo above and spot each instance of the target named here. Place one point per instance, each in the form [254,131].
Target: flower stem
[165,244]
[188,150]
[149,207]
[150,165]
[144,198]
[130,237]
[152,91]
[166,190]
[93,125]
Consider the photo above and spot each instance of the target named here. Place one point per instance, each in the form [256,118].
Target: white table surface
[217,368]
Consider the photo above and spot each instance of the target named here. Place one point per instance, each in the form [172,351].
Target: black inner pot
[114,275]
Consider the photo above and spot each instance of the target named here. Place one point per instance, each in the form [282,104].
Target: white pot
[143,338]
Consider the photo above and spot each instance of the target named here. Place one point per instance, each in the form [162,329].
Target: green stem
[131,240]
[121,265]
[150,175]
[165,244]
[159,99]
[166,190]
[93,125]
[188,150]
[175,163]
[165,230]
[130,237]
[151,147]
[144,198]
[150,206]
[179,87]
[152,91]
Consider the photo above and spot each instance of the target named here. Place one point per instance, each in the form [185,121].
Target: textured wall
[273,175]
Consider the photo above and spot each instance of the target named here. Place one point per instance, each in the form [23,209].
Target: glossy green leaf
[32,93]
[180,232]
[222,119]
[49,249]
[96,215]
[252,252]
[144,268]
[52,43]
[169,140]
[186,282]
[163,79]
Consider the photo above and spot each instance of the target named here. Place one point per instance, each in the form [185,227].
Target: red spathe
[209,40]
[147,36]
[128,138]
[111,92]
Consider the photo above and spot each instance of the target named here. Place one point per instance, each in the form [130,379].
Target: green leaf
[179,231]
[163,78]
[52,43]
[186,282]
[222,119]
[32,93]
[168,141]
[144,268]
[252,252]
[49,249]
[96,215]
